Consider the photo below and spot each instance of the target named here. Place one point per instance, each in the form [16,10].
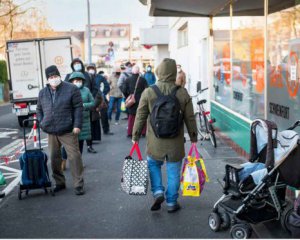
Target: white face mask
[78,84]
[77,67]
[92,71]
[54,82]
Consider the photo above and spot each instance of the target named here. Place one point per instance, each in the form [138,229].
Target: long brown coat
[158,148]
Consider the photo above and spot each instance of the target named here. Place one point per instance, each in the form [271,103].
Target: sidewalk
[107,212]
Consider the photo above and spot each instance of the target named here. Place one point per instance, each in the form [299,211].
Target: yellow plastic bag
[123,107]
[190,184]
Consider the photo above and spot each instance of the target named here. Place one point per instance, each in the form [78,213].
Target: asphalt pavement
[105,211]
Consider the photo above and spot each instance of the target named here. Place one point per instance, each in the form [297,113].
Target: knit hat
[75,75]
[128,64]
[51,71]
[91,65]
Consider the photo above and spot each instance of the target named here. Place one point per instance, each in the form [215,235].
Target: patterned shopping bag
[194,174]
[135,174]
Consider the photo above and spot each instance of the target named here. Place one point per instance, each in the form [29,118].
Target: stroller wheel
[225,219]
[240,231]
[285,216]
[214,221]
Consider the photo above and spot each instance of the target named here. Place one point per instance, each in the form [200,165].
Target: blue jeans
[112,102]
[173,178]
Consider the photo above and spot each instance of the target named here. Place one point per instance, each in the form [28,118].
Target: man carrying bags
[165,139]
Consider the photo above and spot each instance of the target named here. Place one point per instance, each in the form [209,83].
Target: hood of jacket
[166,70]
[77,60]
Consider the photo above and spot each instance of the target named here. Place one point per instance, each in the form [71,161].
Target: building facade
[252,59]
[113,44]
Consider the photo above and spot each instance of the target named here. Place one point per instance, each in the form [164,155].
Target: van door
[56,52]
[24,68]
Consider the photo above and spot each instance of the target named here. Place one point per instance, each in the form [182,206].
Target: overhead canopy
[207,8]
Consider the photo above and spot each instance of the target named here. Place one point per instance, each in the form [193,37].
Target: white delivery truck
[27,60]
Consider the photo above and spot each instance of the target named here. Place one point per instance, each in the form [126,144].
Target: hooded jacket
[88,81]
[88,104]
[162,148]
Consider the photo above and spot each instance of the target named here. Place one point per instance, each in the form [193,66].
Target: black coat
[128,89]
[64,114]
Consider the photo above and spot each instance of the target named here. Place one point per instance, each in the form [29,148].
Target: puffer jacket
[64,114]
[162,148]
[114,90]
[88,104]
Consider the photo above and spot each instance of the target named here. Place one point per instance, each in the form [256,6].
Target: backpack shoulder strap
[174,91]
[156,90]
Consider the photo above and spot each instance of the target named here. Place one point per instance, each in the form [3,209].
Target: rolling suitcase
[33,163]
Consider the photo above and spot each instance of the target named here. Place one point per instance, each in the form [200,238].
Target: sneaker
[59,188]
[117,123]
[108,133]
[157,202]
[173,208]
[91,150]
[79,191]
[2,194]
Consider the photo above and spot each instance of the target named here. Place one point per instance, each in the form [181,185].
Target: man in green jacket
[169,149]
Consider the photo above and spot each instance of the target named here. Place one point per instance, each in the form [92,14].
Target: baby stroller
[255,199]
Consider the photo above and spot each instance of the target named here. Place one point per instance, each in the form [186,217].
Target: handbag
[194,175]
[130,100]
[135,174]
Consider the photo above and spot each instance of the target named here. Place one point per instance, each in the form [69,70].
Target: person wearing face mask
[181,77]
[78,66]
[77,78]
[115,98]
[100,90]
[150,76]
[59,112]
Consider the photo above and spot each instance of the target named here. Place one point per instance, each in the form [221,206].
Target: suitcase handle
[38,128]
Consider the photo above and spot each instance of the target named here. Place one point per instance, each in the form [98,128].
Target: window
[183,36]
[222,61]
[248,79]
[283,69]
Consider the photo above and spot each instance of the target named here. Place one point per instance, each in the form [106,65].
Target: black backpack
[166,117]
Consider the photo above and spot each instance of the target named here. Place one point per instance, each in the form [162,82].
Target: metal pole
[89,33]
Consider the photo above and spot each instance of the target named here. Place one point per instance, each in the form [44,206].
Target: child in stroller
[254,192]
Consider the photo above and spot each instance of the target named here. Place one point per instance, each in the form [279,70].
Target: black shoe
[174,208]
[124,118]
[79,191]
[91,150]
[2,195]
[108,133]
[129,136]
[59,188]
[157,202]
[143,135]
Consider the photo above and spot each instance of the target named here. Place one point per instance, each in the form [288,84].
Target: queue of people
[72,111]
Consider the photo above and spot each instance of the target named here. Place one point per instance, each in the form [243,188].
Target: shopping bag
[2,179]
[135,174]
[194,174]
[123,107]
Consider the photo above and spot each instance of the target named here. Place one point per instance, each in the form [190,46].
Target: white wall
[162,51]
[194,58]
